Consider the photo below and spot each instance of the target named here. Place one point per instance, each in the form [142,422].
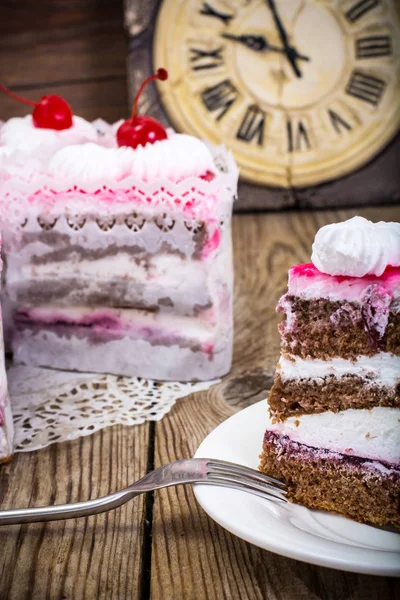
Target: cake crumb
[297,422]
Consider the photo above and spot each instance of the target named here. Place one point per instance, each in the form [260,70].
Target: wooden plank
[97,557]
[90,100]
[77,55]
[77,51]
[378,182]
[49,15]
[192,557]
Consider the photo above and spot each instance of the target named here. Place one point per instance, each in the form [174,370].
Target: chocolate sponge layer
[291,397]
[357,488]
[323,329]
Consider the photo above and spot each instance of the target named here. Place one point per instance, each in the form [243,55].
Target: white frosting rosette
[356,248]
[179,157]
[88,152]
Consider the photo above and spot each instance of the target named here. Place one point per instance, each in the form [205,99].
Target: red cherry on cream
[142,130]
[52,112]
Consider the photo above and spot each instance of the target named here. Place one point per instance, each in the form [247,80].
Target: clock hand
[259,43]
[290,52]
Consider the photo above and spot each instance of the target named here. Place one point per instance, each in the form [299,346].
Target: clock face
[302,91]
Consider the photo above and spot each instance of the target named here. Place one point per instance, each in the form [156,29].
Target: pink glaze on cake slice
[308,282]
[322,307]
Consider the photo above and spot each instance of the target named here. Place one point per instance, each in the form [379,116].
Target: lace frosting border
[194,197]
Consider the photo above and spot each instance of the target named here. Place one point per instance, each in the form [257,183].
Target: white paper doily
[56,406]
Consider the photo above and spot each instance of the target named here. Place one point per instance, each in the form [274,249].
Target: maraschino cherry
[141,130]
[52,112]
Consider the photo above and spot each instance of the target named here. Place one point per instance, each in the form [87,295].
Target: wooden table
[163,545]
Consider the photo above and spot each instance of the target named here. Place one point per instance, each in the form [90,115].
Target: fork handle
[67,511]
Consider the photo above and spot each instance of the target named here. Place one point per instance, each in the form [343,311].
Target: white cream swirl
[20,135]
[88,162]
[356,247]
[176,158]
[88,152]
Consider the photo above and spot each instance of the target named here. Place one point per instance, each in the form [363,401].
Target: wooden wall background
[74,48]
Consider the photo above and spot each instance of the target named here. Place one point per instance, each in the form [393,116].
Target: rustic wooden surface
[98,557]
[164,546]
[74,48]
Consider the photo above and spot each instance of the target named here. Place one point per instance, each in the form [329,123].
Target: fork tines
[244,478]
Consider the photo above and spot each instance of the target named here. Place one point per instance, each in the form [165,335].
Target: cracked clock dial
[302,91]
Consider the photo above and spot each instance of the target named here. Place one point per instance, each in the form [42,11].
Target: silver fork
[196,470]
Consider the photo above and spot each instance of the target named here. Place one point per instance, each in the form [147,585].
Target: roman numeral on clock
[373,45]
[203,59]
[359,9]
[338,123]
[252,126]
[366,87]
[209,11]
[297,137]
[220,97]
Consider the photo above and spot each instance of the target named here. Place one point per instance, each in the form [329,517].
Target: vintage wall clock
[304,92]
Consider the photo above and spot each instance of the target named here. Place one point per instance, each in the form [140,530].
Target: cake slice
[6,422]
[340,343]
[335,402]
[118,259]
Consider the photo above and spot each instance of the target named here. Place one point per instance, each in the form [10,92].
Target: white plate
[316,537]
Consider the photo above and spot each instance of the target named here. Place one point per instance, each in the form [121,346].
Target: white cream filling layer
[372,434]
[164,269]
[384,368]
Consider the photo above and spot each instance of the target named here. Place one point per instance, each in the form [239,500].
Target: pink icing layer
[305,453]
[307,281]
[208,176]
[212,244]
[309,270]
[199,200]
[107,325]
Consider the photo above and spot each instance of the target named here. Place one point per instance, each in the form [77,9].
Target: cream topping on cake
[90,153]
[383,368]
[368,433]
[357,247]
[20,135]
[179,157]
[169,270]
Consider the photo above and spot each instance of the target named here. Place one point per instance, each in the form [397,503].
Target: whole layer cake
[335,402]
[118,260]
[6,422]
